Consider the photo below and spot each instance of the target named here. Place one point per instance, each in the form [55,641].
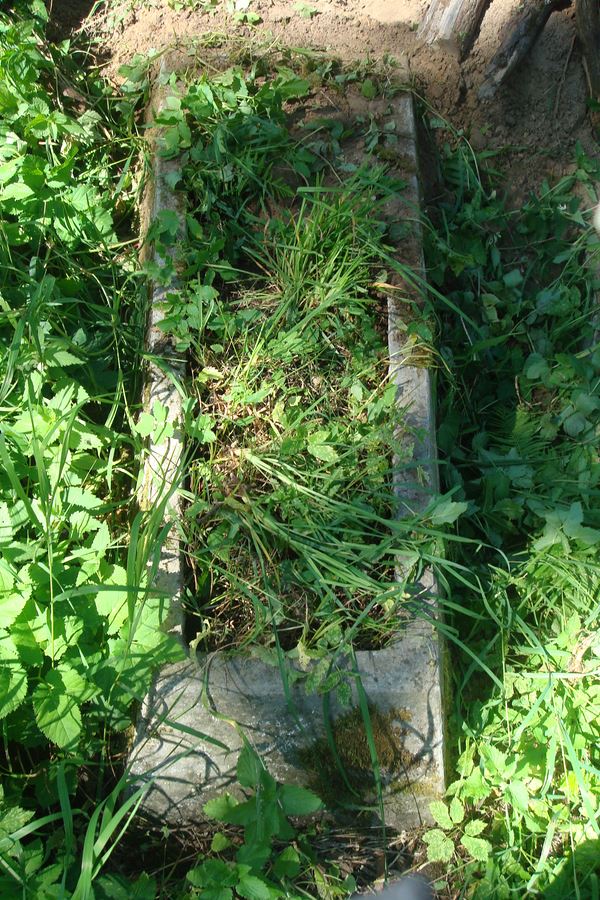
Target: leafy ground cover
[286,442]
[290,525]
[79,631]
[80,624]
[518,421]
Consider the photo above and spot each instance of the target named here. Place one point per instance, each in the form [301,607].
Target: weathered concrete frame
[212,698]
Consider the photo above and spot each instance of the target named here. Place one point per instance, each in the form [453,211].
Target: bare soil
[536,119]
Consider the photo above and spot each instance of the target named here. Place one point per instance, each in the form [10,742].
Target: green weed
[518,420]
[290,526]
[79,624]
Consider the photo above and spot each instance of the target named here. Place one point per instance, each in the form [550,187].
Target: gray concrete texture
[190,730]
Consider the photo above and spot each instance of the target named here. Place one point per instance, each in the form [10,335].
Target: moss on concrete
[349,779]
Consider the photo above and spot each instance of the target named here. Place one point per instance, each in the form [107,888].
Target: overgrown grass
[291,510]
[519,414]
[79,626]
[291,528]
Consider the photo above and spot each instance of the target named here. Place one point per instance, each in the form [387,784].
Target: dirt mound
[536,119]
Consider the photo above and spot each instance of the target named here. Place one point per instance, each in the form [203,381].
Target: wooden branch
[587,20]
[518,37]
[453,23]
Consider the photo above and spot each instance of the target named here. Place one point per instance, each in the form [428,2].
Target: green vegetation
[518,426]
[79,626]
[340,765]
[259,869]
[291,430]
[290,527]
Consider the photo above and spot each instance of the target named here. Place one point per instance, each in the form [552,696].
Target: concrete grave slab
[190,730]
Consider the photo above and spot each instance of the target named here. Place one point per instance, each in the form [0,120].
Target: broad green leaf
[218,872]
[219,808]
[249,767]
[440,813]
[54,356]
[298,801]
[369,89]
[447,511]
[439,847]
[216,893]
[145,424]
[513,278]
[290,86]
[575,424]
[479,848]
[474,827]
[252,888]
[57,714]
[536,367]
[13,818]
[6,525]
[318,447]
[18,190]
[287,864]
[219,842]
[13,680]
[518,795]
[202,429]
[495,760]
[457,811]
[116,887]
[81,498]
[254,855]
[111,599]
[306,10]
[12,600]
[75,685]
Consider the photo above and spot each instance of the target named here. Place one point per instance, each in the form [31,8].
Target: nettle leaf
[253,855]
[56,712]
[573,527]
[474,827]
[496,762]
[6,525]
[252,888]
[249,767]
[217,893]
[115,887]
[479,848]
[440,848]
[440,813]
[55,635]
[13,818]
[13,679]
[298,801]
[287,864]
[536,367]
[10,608]
[219,808]
[446,511]
[111,599]
[145,424]
[518,795]
[12,600]
[457,811]
[318,447]
[81,498]
[575,424]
